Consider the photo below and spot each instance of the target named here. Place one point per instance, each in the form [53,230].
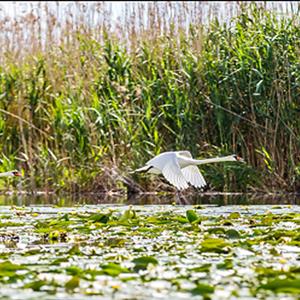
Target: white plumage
[180,169]
[10,173]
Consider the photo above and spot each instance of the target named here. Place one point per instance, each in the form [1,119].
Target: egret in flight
[180,169]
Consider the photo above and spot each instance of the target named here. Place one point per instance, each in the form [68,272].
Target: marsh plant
[84,102]
[125,252]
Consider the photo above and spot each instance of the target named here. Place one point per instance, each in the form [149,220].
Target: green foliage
[193,217]
[215,245]
[203,289]
[101,218]
[157,255]
[72,284]
[113,269]
[283,285]
[70,111]
[141,263]
[35,285]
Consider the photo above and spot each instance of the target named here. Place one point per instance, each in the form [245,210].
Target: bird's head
[237,158]
[15,173]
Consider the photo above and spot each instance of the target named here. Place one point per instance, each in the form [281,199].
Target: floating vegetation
[150,251]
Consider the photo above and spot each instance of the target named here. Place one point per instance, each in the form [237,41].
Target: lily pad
[215,245]
[141,263]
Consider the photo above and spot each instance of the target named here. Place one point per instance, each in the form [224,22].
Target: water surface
[146,247]
[150,199]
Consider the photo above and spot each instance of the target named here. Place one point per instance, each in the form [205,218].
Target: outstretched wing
[173,174]
[193,176]
[185,153]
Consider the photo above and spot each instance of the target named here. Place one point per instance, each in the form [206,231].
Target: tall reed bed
[84,102]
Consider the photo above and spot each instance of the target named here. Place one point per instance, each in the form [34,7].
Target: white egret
[180,169]
[10,173]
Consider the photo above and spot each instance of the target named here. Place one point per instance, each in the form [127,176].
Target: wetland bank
[83,103]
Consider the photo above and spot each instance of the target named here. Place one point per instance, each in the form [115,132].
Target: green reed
[80,111]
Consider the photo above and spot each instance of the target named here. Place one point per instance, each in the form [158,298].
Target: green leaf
[215,245]
[283,285]
[202,268]
[8,266]
[113,269]
[142,263]
[115,242]
[72,284]
[203,289]
[216,230]
[101,218]
[129,214]
[75,250]
[74,271]
[8,269]
[35,285]
[233,234]
[65,217]
[227,264]
[192,216]
[234,215]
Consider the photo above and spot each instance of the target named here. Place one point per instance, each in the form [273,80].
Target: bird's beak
[240,159]
[19,174]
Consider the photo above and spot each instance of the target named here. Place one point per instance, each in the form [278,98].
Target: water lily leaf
[53,225]
[226,265]
[215,245]
[233,234]
[74,271]
[180,219]
[11,224]
[203,289]
[191,215]
[8,269]
[227,223]
[129,214]
[115,242]
[35,285]
[113,269]
[264,272]
[141,263]
[283,285]
[9,266]
[72,284]
[65,217]
[101,218]
[277,234]
[216,230]
[203,268]
[295,269]
[234,215]
[75,250]
[58,261]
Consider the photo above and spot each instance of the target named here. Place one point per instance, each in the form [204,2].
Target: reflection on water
[147,199]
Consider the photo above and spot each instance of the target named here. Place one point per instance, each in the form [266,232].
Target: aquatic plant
[141,251]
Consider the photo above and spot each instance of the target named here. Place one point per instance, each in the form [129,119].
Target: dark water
[149,199]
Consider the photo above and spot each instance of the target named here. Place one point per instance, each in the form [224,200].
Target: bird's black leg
[180,198]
